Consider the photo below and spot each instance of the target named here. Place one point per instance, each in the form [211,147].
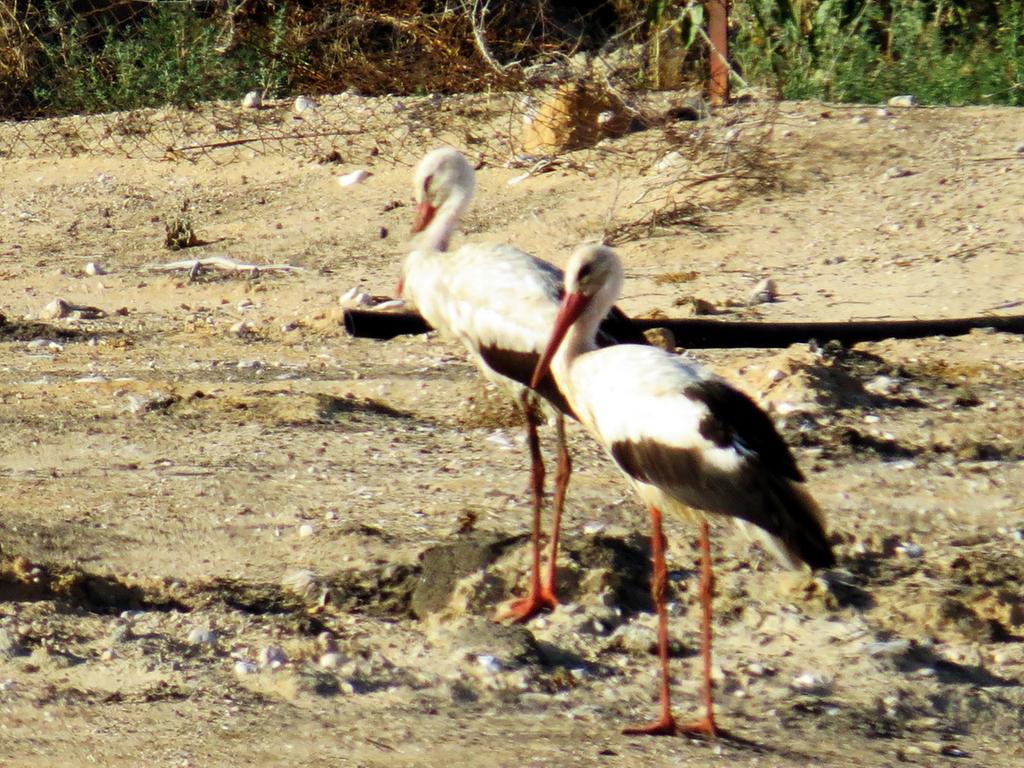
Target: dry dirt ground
[272,543]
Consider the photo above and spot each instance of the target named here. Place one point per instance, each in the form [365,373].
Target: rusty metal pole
[718,34]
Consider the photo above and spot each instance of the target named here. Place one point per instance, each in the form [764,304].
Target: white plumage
[500,303]
[688,442]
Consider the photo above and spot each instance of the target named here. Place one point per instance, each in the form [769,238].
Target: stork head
[443,175]
[593,280]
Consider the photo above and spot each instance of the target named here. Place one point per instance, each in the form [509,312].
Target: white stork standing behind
[500,302]
[689,442]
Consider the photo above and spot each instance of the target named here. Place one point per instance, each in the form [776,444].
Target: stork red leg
[666,724]
[540,598]
[562,475]
[706,724]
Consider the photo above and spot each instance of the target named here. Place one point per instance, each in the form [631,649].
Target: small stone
[702,306]
[882,385]
[902,101]
[332,660]
[306,530]
[56,309]
[812,684]
[252,100]
[860,119]
[245,668]
[354,298]
[662,338]
[356,177]
[895,172]
[764,292]
[45,345]
[303,583]
[910,549]
[272,657]
[202,636]
[241,329]
[636,639]
[303,105]
[94,268]
[1019,149]
[489,663]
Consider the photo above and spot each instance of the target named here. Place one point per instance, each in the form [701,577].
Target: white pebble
[489,663]
[94,268]
[812,683]
[241,329]
[903,100]
[354,297]
[303,104]
[252,100]
[306,530]
[356,177]
[910,549]
[202,636]
[245,668]
[332,660]
[273,657]
[765,292]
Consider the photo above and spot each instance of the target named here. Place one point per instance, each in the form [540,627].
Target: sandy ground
[273,543]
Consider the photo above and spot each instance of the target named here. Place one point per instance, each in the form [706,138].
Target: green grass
[171,56]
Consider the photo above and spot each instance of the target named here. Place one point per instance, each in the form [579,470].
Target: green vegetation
[941,52]
[56,59]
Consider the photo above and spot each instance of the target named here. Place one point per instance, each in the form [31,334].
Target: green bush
[868,51]
[167,54]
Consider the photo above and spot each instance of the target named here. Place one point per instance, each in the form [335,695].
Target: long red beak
[424,215]
[572,307]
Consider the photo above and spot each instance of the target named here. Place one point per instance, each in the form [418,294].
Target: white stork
[689,442]
[504,330]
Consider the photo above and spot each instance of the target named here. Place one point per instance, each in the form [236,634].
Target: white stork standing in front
[500,302]
[689,442]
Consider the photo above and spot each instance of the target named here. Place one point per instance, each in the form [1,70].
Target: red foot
[524,609]
[667,726]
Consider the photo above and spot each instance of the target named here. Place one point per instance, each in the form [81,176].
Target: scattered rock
[272,657]
[662,338]
[765,292]
[94,268]
[252,100]
[896,172]
[303,583]
[354,298]
[902,101]
[332,660]
[241,329]
[59,308]
[356,177]
[303,105]
[812,684]
[202,636]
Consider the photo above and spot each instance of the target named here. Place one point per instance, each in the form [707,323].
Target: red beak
[424,215]
[572,307]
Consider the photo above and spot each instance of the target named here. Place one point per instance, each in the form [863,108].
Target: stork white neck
[445,221]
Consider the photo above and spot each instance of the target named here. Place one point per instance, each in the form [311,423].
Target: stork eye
[426,185]
[584,271]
